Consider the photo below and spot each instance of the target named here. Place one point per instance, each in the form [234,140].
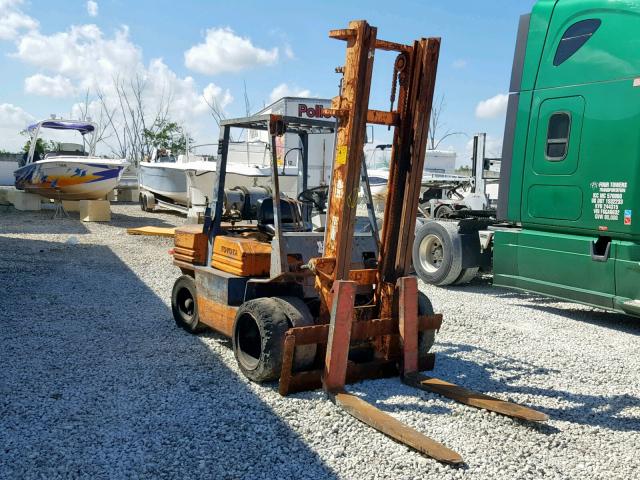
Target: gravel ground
[96,380]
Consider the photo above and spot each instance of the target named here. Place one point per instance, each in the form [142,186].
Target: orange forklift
[322,309]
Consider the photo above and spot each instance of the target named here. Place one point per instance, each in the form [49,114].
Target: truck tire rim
[431,253]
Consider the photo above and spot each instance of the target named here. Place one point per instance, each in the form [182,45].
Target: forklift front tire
[427,338]
[298,315]
[184,305]
[258,339]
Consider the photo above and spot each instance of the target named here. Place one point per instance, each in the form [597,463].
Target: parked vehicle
[564,223]
[72,171]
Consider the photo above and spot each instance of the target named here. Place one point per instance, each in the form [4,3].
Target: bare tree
[215,109]
[129,115]
[436,136]
[85,115]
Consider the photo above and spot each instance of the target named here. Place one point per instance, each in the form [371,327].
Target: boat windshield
[67,149]
[166,159]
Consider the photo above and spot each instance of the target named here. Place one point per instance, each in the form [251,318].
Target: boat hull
[70,178]
[200,181]
[165,180]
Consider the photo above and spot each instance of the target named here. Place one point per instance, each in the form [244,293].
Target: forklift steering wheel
[317,196]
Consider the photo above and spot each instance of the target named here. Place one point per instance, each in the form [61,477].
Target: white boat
[72,171]
[164,177]
[186,181]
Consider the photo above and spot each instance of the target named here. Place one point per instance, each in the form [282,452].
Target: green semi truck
[568,216]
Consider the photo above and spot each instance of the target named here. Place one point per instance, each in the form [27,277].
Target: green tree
[464,170]
[169,135]
[42,147]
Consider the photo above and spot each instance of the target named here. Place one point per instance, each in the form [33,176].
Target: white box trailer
[436,161]
[320,148]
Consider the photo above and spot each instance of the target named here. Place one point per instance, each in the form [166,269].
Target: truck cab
[571,156]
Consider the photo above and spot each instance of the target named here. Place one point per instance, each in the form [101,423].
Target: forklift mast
[415,72]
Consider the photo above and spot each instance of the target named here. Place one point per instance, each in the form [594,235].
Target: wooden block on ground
[25,201]
[71,205]
[129,195]
[6,194]
[95,211]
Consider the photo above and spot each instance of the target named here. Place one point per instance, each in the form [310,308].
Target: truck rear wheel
[466,275]
[184,305]
[437,253]
[258,339]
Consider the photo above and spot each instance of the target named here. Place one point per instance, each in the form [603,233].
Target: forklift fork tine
[385,423]
[474,399]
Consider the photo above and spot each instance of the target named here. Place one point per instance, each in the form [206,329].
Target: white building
[436,161]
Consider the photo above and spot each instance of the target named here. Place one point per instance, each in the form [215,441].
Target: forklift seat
[291,217]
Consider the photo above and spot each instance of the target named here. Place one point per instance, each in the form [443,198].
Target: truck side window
[575,37]
[558,136]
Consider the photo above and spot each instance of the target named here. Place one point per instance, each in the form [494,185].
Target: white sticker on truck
[607,199]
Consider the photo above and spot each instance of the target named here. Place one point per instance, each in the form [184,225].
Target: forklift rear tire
[427,338]
[437,253]
[184,305]
[258,339]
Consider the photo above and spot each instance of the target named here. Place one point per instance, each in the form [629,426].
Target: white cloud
[13,120]
[492,107]
[81,53]
[67,54]
[284,90]
[492,148]
[12,116]
[186,99]
[459,63]
[92,8]
[288,52]
[83,59]
[57,86]
[214,95]
[224,51]
[13,22]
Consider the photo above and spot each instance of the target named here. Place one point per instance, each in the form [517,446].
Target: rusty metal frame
[291,381]
[389,321]
[351,109]
[394,329]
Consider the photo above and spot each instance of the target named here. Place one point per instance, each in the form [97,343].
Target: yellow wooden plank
[153,231]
